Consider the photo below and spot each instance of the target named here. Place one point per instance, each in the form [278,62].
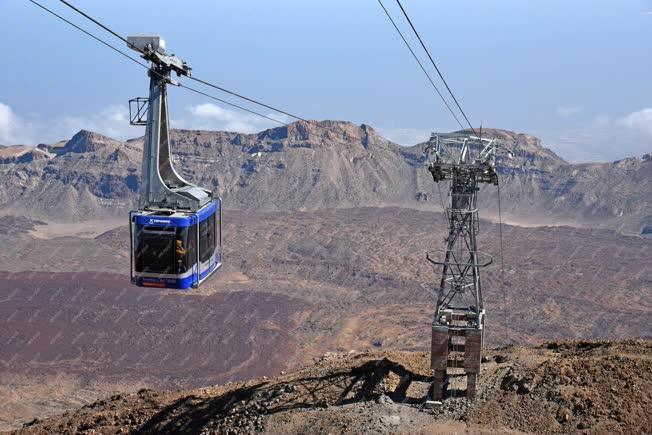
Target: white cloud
[9,125]
[209,116]
[405,136]
[112,121]
[639,120]
[604,138]
[568,111]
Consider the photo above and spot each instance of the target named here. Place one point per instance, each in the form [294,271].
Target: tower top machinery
[176,237]
[466,161]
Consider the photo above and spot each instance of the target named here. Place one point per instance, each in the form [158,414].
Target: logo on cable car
[159,221]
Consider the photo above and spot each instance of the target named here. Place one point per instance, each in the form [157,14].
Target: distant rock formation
[310,165]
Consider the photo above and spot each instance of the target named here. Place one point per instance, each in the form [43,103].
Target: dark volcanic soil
[562,387]
[98,325]
[294,285]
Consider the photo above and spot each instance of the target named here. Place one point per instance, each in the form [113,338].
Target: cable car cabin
[174,248]
[176,234]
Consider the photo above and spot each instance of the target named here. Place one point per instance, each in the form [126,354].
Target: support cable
[219,88]
[407,44]
[407,17]
[133,59]
[502,258]
[101,41]
[197,91]
[251,100]
[74,8]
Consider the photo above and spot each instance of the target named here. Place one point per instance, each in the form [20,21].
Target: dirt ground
[559,387]
[294,285]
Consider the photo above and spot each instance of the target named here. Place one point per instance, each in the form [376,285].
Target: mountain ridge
[309,165]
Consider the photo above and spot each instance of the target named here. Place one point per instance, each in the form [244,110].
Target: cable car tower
[458,326]
[176,237]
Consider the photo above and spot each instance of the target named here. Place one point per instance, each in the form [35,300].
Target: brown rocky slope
[560,387]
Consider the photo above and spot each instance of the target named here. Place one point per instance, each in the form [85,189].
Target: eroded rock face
[89,176]
[21,154]
[318,165]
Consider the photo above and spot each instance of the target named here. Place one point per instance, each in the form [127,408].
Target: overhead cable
[133,59]
[407,17]
[204,82]
[407,44]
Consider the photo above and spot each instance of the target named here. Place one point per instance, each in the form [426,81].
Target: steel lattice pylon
[457,331]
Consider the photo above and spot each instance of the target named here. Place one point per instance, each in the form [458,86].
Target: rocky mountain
[21,154]
[310,271]
[319,165]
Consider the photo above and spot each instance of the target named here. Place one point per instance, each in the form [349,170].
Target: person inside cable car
[181,256]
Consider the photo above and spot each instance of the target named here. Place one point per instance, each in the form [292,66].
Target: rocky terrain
[21,154]
[560,387]
[320,165]
[294,285]
[325,234]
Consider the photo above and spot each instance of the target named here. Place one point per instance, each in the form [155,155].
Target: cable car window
[154,250]
[218,230]
[190,243]
[213,234]
[207,238]
[165,249]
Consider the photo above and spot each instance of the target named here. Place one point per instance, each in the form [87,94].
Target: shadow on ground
[244,407]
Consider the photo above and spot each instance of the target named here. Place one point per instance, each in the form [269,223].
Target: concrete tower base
[455,353]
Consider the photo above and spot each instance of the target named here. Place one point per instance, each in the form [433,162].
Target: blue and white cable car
[176,249]
[176,233]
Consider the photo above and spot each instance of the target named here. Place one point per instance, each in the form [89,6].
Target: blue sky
[577,73]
